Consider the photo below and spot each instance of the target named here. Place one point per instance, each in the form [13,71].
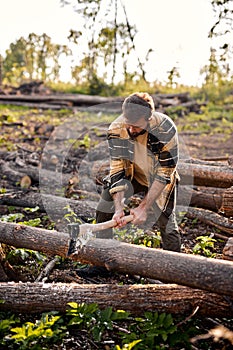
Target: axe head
[79,235]
[73,232]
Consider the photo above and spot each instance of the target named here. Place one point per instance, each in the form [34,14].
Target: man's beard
[133,135]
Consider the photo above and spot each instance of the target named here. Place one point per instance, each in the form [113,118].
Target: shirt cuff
[118,189]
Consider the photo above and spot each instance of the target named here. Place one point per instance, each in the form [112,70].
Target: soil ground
[31,134]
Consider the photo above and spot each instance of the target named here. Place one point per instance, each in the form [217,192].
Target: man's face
[136,128]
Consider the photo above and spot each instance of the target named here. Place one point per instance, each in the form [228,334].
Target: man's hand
[119,218]
[119,209]
[139,214]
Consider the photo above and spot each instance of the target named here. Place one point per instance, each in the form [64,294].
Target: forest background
[102,54]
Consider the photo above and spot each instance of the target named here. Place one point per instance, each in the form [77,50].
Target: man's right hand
[119,212]
[119,218]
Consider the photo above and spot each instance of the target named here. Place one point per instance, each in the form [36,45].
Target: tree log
[211,218]
[72,99]
[228,249]
[203,175]
[53,106]
[215,199]
[213,275]
[194,174]
[169,298]
[197,174]
[90,100]
[54,205]
[227,202]
[37,175]
[210,161]
[198,198]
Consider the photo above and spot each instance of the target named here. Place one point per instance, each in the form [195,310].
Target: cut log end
[228,250]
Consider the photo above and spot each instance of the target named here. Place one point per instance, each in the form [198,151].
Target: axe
[80,233]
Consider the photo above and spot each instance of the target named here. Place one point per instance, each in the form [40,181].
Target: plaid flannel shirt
[162,149]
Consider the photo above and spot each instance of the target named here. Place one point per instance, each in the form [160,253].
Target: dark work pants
[166,220]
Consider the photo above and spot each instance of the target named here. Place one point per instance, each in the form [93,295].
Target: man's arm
[119,214]
[140,212]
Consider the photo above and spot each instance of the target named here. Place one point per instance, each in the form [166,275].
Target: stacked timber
[36,95]
[206,188]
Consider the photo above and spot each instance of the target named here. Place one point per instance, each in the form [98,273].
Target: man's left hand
[140,215]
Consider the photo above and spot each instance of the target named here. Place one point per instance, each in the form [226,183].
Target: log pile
[205,191]
[202,274]
[205,188]
[36,95]
[31,88]
[168,298]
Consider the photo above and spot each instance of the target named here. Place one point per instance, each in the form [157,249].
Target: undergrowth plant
[36,335]
[138,236]
[149,331]
[205,246]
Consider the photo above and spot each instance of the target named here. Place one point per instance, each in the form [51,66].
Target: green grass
[213,120]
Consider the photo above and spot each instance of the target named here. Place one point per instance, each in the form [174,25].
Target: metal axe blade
[83,232]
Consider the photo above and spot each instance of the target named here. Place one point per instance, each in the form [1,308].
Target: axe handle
[76,231]
[107,224]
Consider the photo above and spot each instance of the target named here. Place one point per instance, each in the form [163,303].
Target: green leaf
[120,315]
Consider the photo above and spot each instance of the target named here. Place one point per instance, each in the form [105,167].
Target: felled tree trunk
[227,202]
[193,271]
[216,199]
[191,174]
[195,174]
[199,198]
[54,205]
[228,250]
[211,218]
[37,175]
[204,175]
[72,99]
[169,298]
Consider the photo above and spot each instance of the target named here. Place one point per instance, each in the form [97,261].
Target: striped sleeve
[120,150]
[165,144]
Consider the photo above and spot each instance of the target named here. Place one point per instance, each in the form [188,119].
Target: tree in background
[218,74]
[33,58]
[14,65]
[0,70]
[213,72]
[109,41]
[173,74]
[222,29]
[224,12]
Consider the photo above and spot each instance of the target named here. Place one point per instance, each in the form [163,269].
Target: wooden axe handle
[107,224]
[80,231]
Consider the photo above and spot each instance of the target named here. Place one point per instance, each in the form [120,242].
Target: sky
[176,30]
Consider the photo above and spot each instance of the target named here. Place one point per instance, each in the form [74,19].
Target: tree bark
[214,275]
[204,175]
[227,202]
[72,99]
[54,205]
[228,249]
[215,199]
[35,173]
[169,298]
[191,174]
[198,198]
[211,218]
